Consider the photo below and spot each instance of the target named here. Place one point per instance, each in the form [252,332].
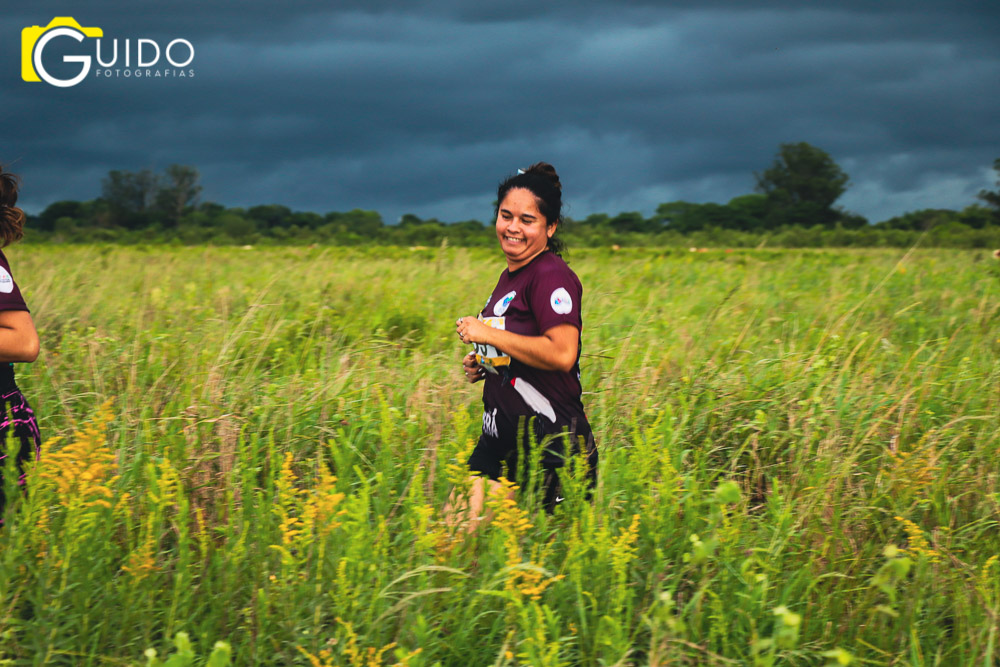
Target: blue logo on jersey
[502,304]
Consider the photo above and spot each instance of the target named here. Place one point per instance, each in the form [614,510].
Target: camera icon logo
[35,38]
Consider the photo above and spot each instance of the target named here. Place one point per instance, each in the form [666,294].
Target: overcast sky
[423,108]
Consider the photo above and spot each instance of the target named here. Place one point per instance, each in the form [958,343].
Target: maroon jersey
[10,294]
[530,301]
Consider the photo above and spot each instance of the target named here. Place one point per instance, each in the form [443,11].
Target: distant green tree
[130,196]
[61,209]
[364,223]
[978,217]
[178,191]
[594,220]
[992,197]
[801,186]
[211,208]
[429,232]
[747,212]
[631,221]
[236,227]
[679,216]
[743,213]
[921,220]
[306,219]
[270,215]
[850,220]
[471,226]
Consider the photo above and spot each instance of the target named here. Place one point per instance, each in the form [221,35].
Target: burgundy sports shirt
[530,301]
[10,293]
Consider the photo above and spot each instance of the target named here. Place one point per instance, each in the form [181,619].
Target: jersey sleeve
[555,298]
[10,293]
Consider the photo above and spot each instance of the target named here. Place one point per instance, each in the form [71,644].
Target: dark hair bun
[11,217]
[545,169]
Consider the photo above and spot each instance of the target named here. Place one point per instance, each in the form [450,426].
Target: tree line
[794,204]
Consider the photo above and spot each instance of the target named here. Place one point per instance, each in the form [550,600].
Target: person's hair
[11,217]
[542,181]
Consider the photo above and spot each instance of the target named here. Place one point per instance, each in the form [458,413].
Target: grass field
[799,463]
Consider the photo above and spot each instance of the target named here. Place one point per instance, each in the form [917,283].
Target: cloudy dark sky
[423,108]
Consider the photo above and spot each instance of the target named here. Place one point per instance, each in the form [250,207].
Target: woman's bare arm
[554,350]
[18,338]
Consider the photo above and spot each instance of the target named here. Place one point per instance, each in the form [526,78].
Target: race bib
[488,356]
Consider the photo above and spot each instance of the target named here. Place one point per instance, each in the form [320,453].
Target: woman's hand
[471,330]
[473,371]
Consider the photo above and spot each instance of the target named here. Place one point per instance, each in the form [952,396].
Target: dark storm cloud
[379,106]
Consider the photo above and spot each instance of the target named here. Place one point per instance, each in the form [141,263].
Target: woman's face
[522,230]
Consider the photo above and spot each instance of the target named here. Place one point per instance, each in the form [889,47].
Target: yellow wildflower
[81,473]
[508,517]
[321,506]
[916,543]
[915,470]
[142,561]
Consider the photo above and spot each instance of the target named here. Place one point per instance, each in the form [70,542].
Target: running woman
[527,345]
[18,343]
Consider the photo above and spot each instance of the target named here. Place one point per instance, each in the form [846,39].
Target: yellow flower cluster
[321,506]
[507,516]
[456,470]
[42,532]
[622,552]
[914,470]
[428,537]
[304,514]
[624,549]
[916,543]
[987,580]
[81,473]
[165,485]
[370,657]
[290,524]
[142,562]
[528,579]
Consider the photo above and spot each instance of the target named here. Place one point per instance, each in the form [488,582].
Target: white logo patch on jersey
[503,303]
[6,281]
[561,301]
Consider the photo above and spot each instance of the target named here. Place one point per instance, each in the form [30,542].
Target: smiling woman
[527,341]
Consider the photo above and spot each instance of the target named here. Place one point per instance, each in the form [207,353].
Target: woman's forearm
[18,338]
[555,350]
[15,346]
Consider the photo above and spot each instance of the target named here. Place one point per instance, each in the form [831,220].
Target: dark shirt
[530,301]
[10,294]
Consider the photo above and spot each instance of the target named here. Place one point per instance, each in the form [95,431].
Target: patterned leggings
[17,418]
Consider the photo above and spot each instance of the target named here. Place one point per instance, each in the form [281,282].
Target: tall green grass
[798,463]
